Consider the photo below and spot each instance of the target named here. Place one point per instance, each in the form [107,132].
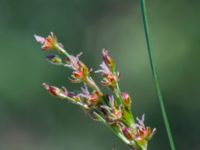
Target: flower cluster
[113,110]
[110,77]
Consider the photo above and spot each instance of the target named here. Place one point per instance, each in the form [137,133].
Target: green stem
[114,129]
[62,50]
[76,102]
[117,92]
[154,72]
[93,85]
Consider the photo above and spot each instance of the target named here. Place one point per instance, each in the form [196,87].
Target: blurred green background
[31,119]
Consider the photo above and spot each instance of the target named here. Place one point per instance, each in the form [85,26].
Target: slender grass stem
[154,72]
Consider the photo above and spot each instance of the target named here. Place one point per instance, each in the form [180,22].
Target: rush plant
[154,73]
[114,110]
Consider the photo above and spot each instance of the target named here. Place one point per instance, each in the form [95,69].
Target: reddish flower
[128,133]
[77,74]
[110,79]
[48,42]
[90,98]
[117,113]
[143,133]
[80,75]
[80,70]
[94,99]
[112,113]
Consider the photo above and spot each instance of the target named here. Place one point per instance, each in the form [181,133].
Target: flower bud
[93,99]
[80,74]
[128,133]
[107,59]
[126,100]
[54,59]
[52,89]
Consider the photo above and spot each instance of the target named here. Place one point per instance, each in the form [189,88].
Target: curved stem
[154,72]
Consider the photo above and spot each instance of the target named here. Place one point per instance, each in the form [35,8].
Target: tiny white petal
[39,39]
[143,118]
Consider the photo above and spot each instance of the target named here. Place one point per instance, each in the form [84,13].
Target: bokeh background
[31,119]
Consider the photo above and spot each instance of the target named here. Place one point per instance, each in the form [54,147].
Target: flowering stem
[113,111]
[155,76]
[90,81]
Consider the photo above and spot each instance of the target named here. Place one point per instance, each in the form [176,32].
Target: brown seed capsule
[52,89]
[107,59]
[128,133]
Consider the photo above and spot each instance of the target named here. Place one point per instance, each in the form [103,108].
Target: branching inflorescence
[113,110]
